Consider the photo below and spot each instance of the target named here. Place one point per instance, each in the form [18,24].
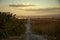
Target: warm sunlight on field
[29,19]
[46,26]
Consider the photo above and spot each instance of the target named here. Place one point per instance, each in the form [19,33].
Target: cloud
[21,5]
[46,9]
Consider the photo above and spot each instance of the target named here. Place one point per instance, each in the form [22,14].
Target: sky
[30,7]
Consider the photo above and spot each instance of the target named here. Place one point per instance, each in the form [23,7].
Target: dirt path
[28,35]
[23,37]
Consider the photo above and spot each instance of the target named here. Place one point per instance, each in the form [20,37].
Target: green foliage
[10,25]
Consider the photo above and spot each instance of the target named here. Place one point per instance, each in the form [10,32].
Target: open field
[46,26]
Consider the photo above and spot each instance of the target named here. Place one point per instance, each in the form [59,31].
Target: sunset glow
[30,7]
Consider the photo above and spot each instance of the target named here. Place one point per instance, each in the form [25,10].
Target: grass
[46,26]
